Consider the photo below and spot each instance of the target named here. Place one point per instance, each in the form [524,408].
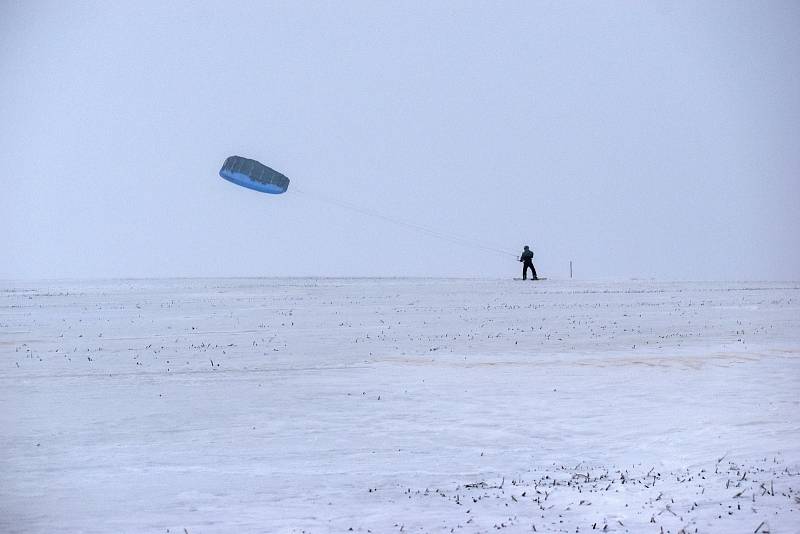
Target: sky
[635,139]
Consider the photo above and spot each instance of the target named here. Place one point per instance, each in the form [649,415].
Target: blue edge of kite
[245,181]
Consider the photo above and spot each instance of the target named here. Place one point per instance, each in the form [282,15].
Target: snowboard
[537,280]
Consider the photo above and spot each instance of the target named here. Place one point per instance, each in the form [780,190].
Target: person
[527,261]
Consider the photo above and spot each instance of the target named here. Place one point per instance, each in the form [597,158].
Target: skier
[527,261]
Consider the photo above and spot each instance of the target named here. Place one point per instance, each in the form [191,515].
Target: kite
[254,175]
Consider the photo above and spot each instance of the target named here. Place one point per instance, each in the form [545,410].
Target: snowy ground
[290,405]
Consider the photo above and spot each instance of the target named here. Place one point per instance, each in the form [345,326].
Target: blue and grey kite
[254,175]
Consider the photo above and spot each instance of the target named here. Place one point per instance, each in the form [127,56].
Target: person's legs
[525,270]
[533,271]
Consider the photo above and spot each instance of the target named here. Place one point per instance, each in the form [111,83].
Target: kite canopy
[254,175]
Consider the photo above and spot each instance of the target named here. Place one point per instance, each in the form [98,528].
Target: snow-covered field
[393,405]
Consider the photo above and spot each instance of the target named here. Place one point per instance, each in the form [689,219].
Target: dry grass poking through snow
[723,496]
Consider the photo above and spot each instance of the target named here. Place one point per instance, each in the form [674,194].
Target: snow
[389,405]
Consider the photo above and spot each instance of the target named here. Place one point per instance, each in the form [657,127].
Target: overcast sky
[636,139]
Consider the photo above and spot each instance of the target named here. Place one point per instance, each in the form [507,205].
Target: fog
[637,140]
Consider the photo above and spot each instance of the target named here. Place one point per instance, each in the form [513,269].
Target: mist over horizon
[640,141]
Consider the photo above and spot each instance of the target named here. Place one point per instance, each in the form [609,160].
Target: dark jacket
[526,256]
